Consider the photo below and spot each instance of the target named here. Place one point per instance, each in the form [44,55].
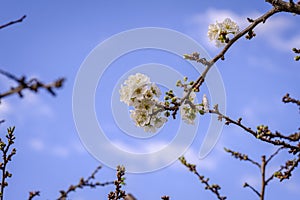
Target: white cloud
[31,105]
[37,144]
[5,107]
[58,150]
[275,30]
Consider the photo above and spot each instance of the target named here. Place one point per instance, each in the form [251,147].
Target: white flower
[134,88]
[230,26]
[144,104]
[205,103]
[219,32]
[139,92]
[213,32]
[125,94]
[155,123]
[188,114]
[137,80]
[155,90]
[140,117]
[158,122]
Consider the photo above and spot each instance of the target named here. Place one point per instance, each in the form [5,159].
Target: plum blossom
[141,94]
[219,32]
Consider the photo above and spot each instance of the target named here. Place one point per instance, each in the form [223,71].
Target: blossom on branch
[219,32]
[143,95]
[139,93]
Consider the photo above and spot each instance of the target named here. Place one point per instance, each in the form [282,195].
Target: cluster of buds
[262,131]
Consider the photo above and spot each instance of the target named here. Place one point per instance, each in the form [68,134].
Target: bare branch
[13,22]
[7,155]
[118,193]
[289,167]
[214,188]
[290,6]
[252,188]
[263,133]
[33,194]
[274,154]
[288,99]
[32,85]
[240,156]
[84,183]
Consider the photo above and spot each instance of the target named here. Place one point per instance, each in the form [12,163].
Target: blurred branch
[288,99]
[214,188]
[33,194]
[7,155]
[32,85]
[82,184]
[13,22]
[296,51]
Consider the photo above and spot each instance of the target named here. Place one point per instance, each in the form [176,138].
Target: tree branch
[252,188]
[7,155]
[214,188]
[33,194]
[240,156]
[84,183]
[288,99]
[13,22]
[32,85]
[290,6]
[263,133]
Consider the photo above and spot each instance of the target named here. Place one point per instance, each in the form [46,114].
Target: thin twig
[274,154]
[84,183]
[252,188]
[33,194]
[214,188]
[240,156]
[118,193]
[13,22]
[266,138]
[7,155]
[288,99]
[32,85]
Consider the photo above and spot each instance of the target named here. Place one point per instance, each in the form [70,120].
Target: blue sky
[57,36]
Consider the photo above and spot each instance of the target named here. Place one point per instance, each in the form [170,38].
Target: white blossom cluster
[219,32]
[138,92]
[141,94]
